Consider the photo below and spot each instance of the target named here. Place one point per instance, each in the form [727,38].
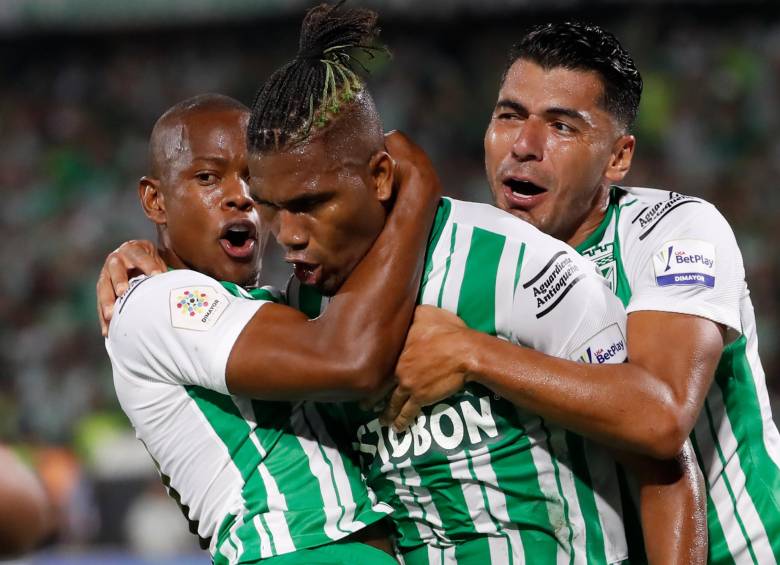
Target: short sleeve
[563,307]
[178,328]
[688,263]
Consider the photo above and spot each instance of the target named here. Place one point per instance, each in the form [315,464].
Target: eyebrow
[298,200]
[554,110]
[213,158]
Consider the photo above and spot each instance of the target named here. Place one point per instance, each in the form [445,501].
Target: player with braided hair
[474,480]
[201,365]
[322,71]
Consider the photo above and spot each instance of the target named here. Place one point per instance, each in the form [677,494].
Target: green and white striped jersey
[255,479]
[668,252]
[476,480]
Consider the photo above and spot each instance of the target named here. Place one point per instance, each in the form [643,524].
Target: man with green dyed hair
[474,480]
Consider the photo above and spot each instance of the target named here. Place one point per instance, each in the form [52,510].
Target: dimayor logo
[192,302]
[685,262]
[197,308]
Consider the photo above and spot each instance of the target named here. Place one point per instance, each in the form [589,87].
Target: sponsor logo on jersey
[444,428]
[196,308]
[649,217]
[553,282]
[685,262]
[607,346]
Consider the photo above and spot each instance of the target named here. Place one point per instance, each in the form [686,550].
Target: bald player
[475,480]
[193,350]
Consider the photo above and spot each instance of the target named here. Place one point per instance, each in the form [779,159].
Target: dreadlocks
[311,90]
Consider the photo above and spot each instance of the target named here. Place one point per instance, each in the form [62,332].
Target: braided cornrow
[308,92]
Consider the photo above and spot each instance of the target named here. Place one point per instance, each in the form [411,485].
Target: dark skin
[201,189]
[198,194]
[344,354]
[307,218]
[550,129]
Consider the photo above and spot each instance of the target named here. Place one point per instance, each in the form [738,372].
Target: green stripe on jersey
[234,431]
[474,478]
[743,482]
[298,490]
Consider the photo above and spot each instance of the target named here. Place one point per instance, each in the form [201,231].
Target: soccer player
[474,480]
[258,479]
[557,145]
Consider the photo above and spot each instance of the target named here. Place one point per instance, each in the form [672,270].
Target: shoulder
[487,218]
[649,214]
[181,299]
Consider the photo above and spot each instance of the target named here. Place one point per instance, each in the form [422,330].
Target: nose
[290,230]
[237,196]
[529,143]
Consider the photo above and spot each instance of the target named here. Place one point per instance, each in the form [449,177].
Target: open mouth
[523,187]
[308,273]
[521,194]
[238,239]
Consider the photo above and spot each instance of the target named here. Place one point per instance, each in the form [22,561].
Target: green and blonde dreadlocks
[307,93]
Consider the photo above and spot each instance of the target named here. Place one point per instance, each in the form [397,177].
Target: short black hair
[587,47]
[309,92]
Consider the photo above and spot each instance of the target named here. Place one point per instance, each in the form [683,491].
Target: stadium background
[84,80]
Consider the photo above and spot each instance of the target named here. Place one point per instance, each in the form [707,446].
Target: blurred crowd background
[83,81]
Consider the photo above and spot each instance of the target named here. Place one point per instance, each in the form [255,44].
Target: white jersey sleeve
[686,261]
[177,328]
[564,307]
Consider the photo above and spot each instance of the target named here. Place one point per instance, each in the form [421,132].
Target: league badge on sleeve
[685,262]
[196,308]
[607,346]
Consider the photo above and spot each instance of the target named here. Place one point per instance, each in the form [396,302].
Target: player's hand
[431,366]
[131,259]
[413,168]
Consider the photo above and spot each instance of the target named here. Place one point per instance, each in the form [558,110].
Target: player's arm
[672,504]
[437,360]
[624,406]
[24,507]
[351,349]
[647,405]
[348,351]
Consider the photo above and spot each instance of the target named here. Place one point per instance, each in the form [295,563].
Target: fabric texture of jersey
[476,480]
[665,251]
[255,479]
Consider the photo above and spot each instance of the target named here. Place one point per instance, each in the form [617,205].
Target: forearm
[348,352]
[620,405]
[673,508]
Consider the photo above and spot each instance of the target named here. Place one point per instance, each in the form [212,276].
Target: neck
[166,251]
[592,220]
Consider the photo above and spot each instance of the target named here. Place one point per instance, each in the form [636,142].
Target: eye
[563,127]
[264,205]
[206,178]
[507,116]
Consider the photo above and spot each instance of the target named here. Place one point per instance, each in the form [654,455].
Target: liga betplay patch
[196,307]
[685,262]
[607,346]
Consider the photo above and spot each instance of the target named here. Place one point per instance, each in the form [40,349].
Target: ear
[152,199]
[382,167]
[620,160]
